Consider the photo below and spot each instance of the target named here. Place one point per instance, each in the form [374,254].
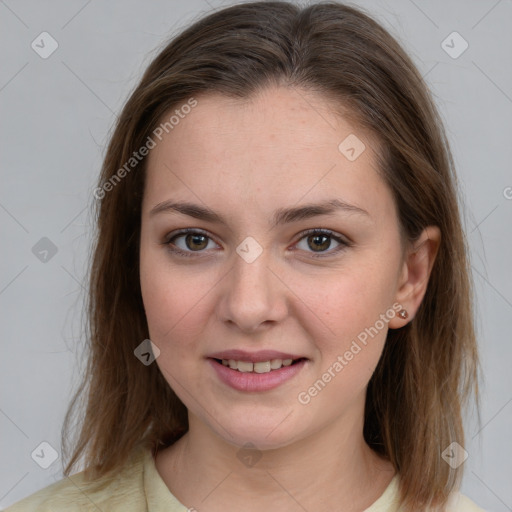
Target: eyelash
[315,231]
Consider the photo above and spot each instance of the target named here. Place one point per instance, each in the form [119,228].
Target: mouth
[257,376]
[259,367]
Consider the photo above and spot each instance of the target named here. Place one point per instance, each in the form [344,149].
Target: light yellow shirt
[140,488]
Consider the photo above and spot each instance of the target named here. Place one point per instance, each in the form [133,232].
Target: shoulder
[389,502]
[122,492]
[460,503]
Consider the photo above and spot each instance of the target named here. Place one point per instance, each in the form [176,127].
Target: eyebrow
[281,216]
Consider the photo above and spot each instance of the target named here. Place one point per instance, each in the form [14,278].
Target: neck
[330,468]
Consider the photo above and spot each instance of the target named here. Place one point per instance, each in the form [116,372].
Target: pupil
[196,240]
[325,244]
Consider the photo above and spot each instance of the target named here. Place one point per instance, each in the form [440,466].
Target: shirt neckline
[160,499]
[388,500]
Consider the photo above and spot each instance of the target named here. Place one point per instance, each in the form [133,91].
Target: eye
[192,241]
[320,240]
[188,241]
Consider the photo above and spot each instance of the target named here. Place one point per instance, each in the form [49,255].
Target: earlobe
[417,267]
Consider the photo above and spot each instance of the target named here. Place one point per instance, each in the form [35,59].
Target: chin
[258,440]
[263,434]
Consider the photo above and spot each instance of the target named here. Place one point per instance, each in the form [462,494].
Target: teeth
[245,367]
[275,364]
[260,367]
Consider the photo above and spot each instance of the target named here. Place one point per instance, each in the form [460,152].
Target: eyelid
[341,239]
[324,231]
[182,232]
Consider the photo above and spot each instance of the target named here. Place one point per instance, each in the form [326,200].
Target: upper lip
[253,357]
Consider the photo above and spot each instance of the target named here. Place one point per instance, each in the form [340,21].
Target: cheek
[345,321]
[165,295]
[173,316]
[176,301]
[344,304]
[169,301]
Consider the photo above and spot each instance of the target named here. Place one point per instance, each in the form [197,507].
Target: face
[261,270]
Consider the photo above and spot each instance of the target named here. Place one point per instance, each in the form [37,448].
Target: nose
[253,295]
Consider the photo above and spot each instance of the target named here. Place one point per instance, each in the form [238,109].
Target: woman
[280,307]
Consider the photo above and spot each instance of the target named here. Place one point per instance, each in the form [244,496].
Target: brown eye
[319,241]
[196,242]
[188,241]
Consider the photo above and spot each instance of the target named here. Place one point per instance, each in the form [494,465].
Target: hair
[428,369]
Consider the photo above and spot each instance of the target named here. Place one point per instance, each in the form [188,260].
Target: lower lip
[248,381]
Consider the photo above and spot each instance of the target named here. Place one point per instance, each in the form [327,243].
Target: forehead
[282,144]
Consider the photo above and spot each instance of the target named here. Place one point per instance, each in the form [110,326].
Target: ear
[415,273]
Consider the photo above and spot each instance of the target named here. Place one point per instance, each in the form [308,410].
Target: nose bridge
[251,265]
[252,294]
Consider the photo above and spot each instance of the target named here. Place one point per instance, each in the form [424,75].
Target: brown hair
[428,368]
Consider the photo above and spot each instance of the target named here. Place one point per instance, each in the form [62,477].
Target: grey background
[56,115]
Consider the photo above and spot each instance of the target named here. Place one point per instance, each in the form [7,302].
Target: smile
[259,376]
[260,367]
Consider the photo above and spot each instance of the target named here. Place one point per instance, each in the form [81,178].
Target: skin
[244,159]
